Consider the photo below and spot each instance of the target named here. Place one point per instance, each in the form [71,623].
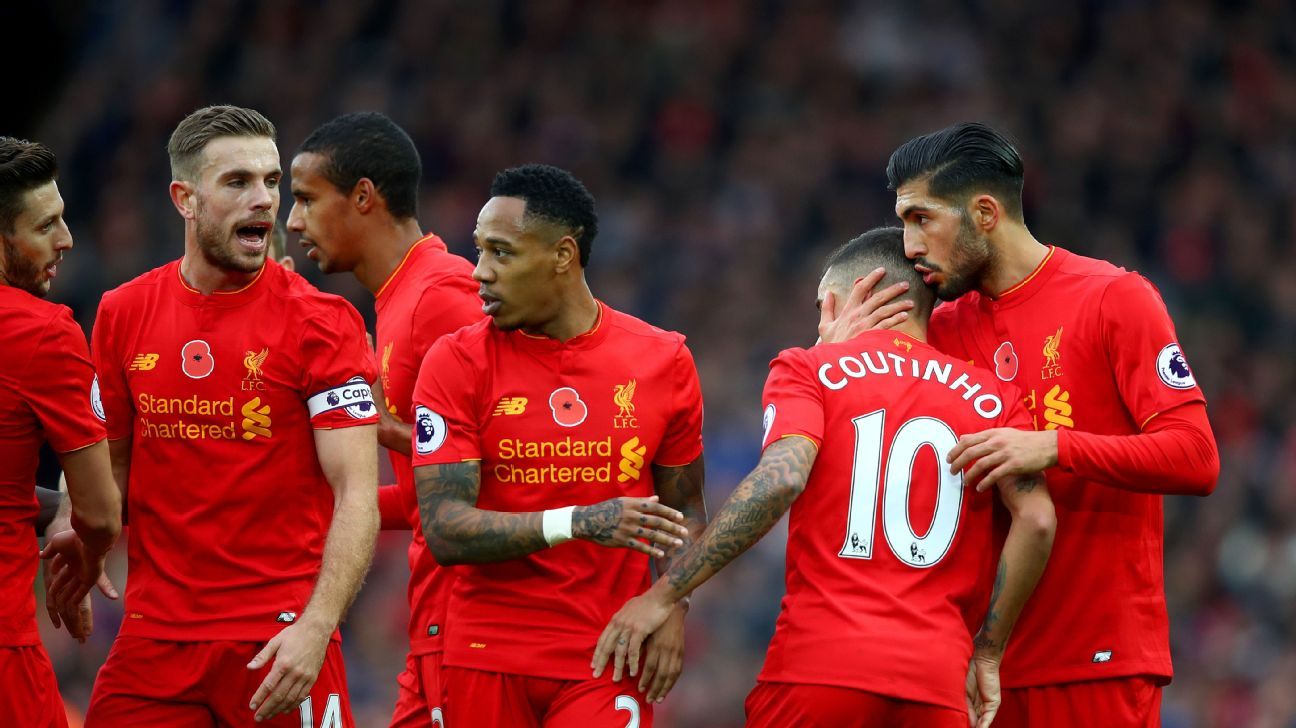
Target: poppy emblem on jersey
[623,397]
[1173,370]
[568,409]
[196,359]
[1005,362]
[96,401]
[429,430]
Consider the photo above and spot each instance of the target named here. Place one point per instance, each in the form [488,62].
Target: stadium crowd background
[729,145]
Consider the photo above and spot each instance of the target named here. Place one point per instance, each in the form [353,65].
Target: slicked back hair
[881,247]
[959,161]
[24,166]
[368,144]
[193,134]
[555,196]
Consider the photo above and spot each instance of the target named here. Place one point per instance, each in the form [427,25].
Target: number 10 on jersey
[867,479]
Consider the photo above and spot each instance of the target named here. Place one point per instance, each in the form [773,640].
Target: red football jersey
[553,424]
[221,395]
[1093,348]
[430,294]
[45,384]
[890,559]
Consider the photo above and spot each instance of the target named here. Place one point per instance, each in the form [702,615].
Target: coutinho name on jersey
[836,375]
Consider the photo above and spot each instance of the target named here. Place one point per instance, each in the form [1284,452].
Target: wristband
[557,525]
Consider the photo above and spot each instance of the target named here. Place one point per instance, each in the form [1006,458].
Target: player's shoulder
[1092,273]
[302,297]
[18,304]
[141,285]
[636,329]
[472,340]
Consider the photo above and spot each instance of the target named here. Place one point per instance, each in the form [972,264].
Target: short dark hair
[960,160]
[881,247]
[193,134]
[24,166]
[368,144]
[553,195]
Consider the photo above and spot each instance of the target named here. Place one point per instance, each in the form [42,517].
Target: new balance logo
[511,406]
[144,362]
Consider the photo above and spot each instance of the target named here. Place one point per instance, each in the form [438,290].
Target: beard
[219,249]
[23,273]
[972,257]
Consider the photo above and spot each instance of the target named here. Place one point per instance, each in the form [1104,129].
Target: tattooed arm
[458,532]
[1025,552]
[758,502]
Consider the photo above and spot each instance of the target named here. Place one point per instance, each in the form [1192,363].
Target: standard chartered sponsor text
[554,472]
[188,418]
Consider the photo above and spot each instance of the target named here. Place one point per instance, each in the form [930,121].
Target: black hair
[24,166]
[553,195]
[960,160]
[369,144]
[881,247]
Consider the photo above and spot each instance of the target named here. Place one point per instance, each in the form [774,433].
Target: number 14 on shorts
[332,717]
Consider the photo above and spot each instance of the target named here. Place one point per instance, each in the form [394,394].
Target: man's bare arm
[457,532]
[53,503]
[681,488]
[349,458]
[1025,553]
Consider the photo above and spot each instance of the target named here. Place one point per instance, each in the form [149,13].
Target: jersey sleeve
[1151,372]
[447,428]
[110,397]
[444,307]
[793,400]
[337,366]
[1014,413]
[682,443]
[58,383]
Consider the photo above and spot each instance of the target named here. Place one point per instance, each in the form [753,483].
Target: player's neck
[1017,255]
[207,279]
[384,249]
[913,328]
[578,312]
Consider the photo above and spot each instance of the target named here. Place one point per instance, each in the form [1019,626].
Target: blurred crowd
[730,145]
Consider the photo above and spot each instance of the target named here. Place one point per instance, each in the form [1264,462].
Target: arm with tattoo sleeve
[751,511]
[458,532]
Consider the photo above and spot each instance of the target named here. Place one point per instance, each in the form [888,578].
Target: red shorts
[418,704]
[148,682]
[478,699]
[779,705]
[1130,702]
[29,693]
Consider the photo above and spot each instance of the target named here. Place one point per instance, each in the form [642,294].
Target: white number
[438,719]
[332,712]
[625,702]
[918,551]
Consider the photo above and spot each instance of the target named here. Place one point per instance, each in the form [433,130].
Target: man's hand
[627,630]
[298,653]
[982,690]
[70,573]
[863,310]
[664,660]
[621,522]
[1002,452]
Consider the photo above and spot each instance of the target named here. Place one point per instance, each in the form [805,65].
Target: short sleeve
[793,400]
[110,396]
[444,307]
[59,382]
[682,443]
[337,366]
[446,426]
[1014,414]
[1151,371]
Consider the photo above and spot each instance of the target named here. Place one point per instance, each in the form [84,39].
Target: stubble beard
[23,274]
[217,248]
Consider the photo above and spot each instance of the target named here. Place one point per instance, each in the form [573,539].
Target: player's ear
[985,212]
[364,195]
[566,254]
[182,196]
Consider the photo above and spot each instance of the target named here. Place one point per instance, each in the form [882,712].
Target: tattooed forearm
[986,638]
[1028,483]
[681,488]
[753,509]
[598,522]
[458,532]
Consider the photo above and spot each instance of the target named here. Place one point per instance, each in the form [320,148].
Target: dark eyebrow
[498,242]
[909,210]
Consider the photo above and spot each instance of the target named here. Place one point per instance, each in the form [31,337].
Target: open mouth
[490,304]
[51,270]
[254,235]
